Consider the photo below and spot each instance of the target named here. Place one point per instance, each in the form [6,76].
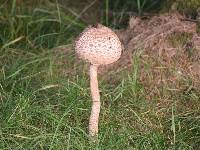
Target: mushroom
[98,45]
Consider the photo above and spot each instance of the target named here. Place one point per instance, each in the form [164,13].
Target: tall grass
[37,25]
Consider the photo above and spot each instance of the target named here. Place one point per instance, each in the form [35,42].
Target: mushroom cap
[99,45]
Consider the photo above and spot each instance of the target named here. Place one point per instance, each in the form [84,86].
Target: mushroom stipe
[98,45]
[94,117]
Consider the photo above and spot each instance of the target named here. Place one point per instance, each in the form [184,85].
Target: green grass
[45,98]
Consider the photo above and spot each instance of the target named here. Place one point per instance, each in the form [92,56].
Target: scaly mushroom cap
[99,45]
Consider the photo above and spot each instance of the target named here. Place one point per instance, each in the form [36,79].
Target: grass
[117,12]
[45,96]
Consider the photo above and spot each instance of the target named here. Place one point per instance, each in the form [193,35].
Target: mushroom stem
[94,117]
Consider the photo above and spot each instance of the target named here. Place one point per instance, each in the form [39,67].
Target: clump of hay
[170,51]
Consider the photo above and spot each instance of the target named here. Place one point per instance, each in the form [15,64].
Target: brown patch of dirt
[169,50]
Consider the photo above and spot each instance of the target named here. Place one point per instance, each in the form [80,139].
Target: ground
[150,97]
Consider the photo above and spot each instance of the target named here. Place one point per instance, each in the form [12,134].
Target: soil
[169,50]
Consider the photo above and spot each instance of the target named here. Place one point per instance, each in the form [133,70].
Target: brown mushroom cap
[98,45]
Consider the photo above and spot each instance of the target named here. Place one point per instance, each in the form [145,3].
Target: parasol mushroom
[98,45]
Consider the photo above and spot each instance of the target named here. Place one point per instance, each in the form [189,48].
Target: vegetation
[187,7]
[45,96]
